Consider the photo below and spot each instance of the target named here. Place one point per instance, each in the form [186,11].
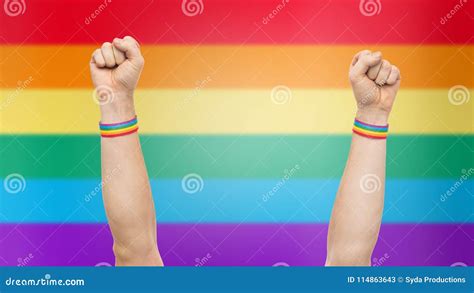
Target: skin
[115,70]
[357,212]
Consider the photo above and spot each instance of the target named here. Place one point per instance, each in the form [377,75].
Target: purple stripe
[233,244]
[372,125]
[118,123]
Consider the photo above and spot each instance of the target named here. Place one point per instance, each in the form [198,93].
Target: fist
[375,83]
[116,68]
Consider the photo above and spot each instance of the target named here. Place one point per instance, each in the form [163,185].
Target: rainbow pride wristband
[119,129]
[370,130]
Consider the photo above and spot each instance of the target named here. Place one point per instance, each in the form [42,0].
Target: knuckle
[364,58]
[106,45]
[129,39]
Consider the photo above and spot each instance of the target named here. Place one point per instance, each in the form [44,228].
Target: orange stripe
[119,134]
[238,66]
[368,135]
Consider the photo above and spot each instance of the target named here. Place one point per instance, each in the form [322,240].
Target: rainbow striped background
[236,94]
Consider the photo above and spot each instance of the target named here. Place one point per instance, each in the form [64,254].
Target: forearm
[357,212]
[126,191]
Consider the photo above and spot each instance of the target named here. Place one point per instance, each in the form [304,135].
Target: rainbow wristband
[119,129]
[370,130]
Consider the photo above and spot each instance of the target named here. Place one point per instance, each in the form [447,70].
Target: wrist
[373,116]
[118,109]
[370,126]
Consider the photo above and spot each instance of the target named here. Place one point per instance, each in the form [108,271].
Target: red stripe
[238,21]
[368,135]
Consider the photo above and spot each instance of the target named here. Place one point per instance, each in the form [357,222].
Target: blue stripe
[235,201]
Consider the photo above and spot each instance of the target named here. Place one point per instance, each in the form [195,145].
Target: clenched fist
[375,83]
[115,71]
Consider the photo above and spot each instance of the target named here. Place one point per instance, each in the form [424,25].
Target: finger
[394,75]
[363,64]
[374,71]
[130,47]
[383,73]
[98,59]
[119,55]
[357,56]
[108,54]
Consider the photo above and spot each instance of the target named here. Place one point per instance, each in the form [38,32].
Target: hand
[375,83]
[115,71]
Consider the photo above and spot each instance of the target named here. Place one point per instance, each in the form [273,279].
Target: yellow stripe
[214,111]
[123,130]
[374,133]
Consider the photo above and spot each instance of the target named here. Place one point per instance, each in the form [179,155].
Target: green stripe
[319,156]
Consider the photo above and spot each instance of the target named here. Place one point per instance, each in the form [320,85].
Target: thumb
[363,62]
[130,47]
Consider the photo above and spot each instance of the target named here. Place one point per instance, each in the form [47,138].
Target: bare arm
[115,70]
[357,212]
